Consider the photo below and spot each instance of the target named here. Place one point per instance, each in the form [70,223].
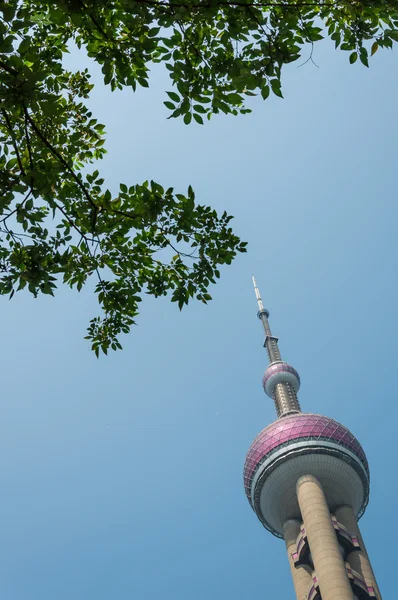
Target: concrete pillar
[302,579]
[359,559]
[326,555]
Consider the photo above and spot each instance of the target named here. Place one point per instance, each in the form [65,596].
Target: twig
[28,140]
[72,224]
[14,141]
[304,25]
[17,208]
[9,70]
[14,236]
[86,240]
[95,22]
[166,239]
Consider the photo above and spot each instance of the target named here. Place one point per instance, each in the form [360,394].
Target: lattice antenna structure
[281,381]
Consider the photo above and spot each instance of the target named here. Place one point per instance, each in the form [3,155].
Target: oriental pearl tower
[306,477]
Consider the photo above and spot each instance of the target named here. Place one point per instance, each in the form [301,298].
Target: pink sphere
[302,426]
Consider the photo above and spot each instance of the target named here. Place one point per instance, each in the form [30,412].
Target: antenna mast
[281,381]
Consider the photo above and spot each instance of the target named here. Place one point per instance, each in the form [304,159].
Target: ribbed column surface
[302,579]
[359,559]
[329,565]
[285,399]
[272,348]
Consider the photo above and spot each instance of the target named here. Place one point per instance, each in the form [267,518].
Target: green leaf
[234,99]
[153,32]
[363,56]
[353,57]
[173,96]
[24,46]
[6,44]
[8,11]
[198,118]
[265,92]
[187,118]
[393,34]
[375,47]
[276,87]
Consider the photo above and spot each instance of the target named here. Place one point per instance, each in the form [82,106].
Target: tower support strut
[331,572]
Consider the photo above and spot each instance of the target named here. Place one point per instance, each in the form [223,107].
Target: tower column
[329,565]
[301,576]
[359,559]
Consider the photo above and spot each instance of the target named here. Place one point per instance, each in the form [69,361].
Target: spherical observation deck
[280,372]
[304,444]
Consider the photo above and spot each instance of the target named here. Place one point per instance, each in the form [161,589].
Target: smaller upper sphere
[304,444]
[280,372]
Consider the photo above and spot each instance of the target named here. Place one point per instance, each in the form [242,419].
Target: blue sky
[122,478]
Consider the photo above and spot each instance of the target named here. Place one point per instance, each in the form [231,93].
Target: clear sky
[122,477]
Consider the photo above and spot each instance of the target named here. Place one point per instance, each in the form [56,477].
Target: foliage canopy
[57,219]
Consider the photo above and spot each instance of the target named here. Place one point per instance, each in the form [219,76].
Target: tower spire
[258,296]
[270,342]
[281,381]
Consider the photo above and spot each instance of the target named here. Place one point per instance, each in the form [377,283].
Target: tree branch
[9,70]
[61,159]
[55,152]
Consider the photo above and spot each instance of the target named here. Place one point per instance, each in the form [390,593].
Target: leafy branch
[59,222]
